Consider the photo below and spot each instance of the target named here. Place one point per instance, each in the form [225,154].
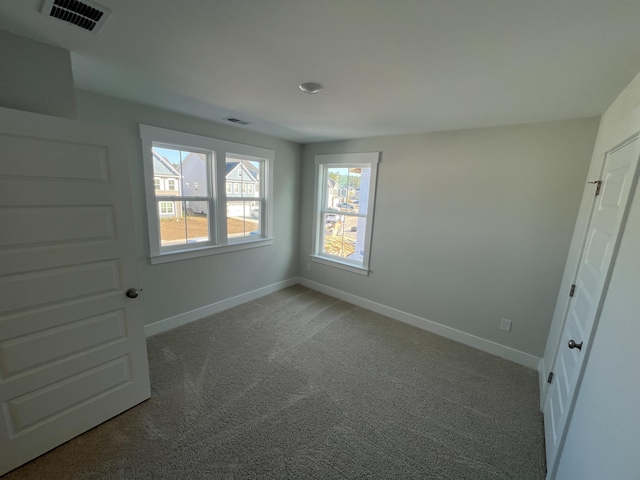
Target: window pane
[183,222]
[184,172]
[343,189]
[357,232]
[197,221]
[336,191]
[243,176]
[172,231]
[361,198]
[253,181]
[340,235]
[243,219]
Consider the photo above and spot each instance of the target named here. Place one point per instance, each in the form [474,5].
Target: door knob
[573,344]
[133,293]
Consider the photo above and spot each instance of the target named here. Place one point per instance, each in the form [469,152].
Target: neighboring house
[242,181]
[166,182]
[336,193]
[195,184]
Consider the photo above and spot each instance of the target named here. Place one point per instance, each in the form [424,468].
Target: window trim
[219,149]
[366,160]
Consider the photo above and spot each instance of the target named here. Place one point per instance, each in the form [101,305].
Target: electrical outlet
[505,325]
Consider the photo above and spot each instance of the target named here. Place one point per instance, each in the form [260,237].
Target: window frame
[343,160]
[216,196]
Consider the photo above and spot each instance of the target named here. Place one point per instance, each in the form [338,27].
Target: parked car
[346,206]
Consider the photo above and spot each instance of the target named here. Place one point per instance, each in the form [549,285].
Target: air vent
[237,121]
[87,15]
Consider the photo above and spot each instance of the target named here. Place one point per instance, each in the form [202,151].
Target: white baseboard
[198,313]
[488,346]
[502,351]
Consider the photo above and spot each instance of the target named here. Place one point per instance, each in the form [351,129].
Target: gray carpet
[300,385]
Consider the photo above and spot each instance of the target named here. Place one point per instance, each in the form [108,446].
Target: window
[167,208]
[344,210]
[156,184]
[244,211]
[250,187]
[190,219]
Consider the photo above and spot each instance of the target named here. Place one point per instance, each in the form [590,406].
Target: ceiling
[387,66]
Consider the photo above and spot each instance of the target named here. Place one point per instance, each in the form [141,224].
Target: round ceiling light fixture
[310,87]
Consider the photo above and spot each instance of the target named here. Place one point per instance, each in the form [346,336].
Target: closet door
[612,201]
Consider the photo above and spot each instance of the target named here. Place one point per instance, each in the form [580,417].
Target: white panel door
[609,212]
[72,346]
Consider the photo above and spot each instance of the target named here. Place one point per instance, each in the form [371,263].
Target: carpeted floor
[300,385]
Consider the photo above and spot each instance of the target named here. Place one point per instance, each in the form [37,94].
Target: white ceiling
[388,66]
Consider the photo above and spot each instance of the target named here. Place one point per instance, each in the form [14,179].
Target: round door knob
[573,344]
[132,293]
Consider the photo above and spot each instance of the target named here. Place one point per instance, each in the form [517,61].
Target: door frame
[552,470]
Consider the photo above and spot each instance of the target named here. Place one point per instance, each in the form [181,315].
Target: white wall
[603,440]
[35,77]
[471,226]
[175,288]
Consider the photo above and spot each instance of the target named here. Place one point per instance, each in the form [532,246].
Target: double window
[344,209]
[167,208]
[217,197]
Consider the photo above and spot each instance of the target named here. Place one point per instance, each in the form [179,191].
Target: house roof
[332,184]
[190,158]
[162,166]
[248,167]
[250,170]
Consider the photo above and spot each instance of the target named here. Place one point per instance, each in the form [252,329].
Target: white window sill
[176,255]
[349,267]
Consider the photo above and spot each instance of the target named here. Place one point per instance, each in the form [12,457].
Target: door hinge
[550,377]
[572,292]
[599,184]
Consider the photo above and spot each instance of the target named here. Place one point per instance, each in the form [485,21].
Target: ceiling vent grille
[237,121]
[87,15]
